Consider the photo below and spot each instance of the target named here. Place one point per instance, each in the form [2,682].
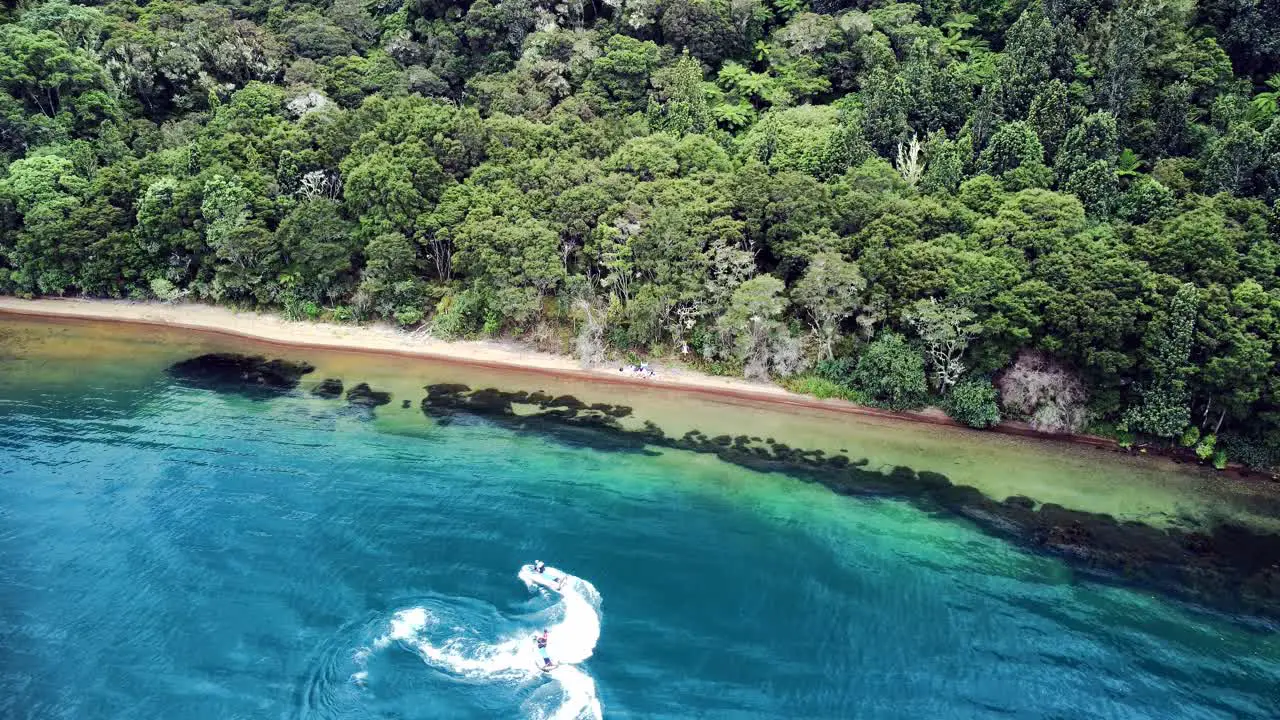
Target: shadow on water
[1229,568]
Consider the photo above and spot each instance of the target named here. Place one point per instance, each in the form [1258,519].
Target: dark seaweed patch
[1230,568]
[1021,501]
[364,396]
[328,388]
[567,401]
[250,375]
[617,411]
[564,418]
[444,389]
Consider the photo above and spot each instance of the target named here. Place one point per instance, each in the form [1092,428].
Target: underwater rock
[561,417]
[566,401]
[328,388]
[251,375]
[405,404]
[364,396]
[617,411]
[447,389]
[491,400]
[443,397]
[1021,501]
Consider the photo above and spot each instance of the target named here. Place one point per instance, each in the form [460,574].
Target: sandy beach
[374,337]
[384,338]
[681,397]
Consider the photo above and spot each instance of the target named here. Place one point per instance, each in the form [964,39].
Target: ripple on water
[170,552]
[483,656]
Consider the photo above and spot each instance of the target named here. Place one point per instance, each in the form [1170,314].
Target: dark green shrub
[1190,436]
[1220,459]
[839,370]
[1204,450]
[973,402]
[459,315]
[891,373]
[1251,451]
[407,316]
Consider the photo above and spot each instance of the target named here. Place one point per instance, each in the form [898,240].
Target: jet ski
[549,578]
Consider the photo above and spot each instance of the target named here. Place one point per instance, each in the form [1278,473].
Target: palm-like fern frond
[1128,163]
[1265,105]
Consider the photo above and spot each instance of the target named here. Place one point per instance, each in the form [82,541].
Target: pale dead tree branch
[946,331]
[320,184]
[686,316]
[1045,392]
[589,344]
[909,164]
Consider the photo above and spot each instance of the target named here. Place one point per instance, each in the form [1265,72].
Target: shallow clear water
[171,552]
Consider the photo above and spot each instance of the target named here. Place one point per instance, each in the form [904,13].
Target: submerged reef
[251,375]
[364,396]
[1229,568]
[256,376]
[566,418]
[329,388]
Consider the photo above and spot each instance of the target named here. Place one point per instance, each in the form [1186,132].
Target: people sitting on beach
[642,370]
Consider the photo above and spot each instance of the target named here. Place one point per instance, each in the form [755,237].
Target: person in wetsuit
[542,648]
[541,568]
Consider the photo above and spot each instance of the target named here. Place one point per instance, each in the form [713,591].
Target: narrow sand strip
[384,338]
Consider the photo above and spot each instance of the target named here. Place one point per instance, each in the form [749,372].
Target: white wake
[444,641]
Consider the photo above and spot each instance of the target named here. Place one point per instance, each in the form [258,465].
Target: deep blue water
[168,552]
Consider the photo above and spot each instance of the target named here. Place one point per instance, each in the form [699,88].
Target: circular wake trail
[574,627]
[454,638]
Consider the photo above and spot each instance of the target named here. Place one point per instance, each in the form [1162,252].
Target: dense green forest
[1060,211]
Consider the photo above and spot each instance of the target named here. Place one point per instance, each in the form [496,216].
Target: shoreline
[384,339]
[1117,520]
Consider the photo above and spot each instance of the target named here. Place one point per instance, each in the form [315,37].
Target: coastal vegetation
[1062,212]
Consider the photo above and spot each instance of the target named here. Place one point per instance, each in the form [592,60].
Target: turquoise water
[167,552]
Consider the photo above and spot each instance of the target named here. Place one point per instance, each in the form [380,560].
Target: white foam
[579,699]
[473,658]
[577,633]
[575,630]
[406,625]
[573,625]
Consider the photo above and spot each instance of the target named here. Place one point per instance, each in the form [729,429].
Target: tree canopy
[925,191]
